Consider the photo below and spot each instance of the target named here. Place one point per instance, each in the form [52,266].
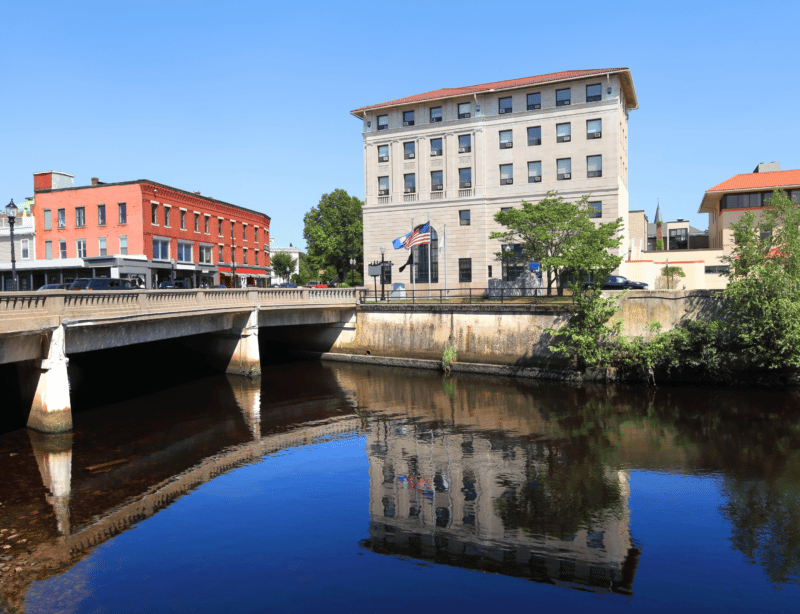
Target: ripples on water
[359,489]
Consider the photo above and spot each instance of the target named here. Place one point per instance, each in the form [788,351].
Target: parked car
[288,284]
[101,283]
[173,285]
[315,284]
[54,287]
[618,282]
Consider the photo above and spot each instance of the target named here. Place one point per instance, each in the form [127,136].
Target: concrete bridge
[39,330]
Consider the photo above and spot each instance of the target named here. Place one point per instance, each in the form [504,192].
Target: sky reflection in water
[400,488]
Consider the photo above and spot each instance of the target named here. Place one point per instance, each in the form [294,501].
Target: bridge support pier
[51,410]
[53,455]
[237,349]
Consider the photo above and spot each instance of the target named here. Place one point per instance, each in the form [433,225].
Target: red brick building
[148,230]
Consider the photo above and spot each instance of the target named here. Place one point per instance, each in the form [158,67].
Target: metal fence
[523,294]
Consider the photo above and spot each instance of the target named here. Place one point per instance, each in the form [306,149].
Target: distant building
[141,229]
[24,244]
[460,155]
[294,252]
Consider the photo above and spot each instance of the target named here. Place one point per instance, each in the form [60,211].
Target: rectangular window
[122,213]
[183,220]
[534,101]
[504,105]
[594,128]
[244,231]
[383,122]
[205,254]
[233,254]
[101,215]
[80,245]
[197,222]
[255,257]
[383,186]
[506,139]
[512,262]
[24,248]
[206,224]
[410,150]
[219,221]
[594,92]
[564,167]
[221,255]
[490,270]
[436,114]
[154,214]
[184,252]
[123,245]
[62,249]
[80,217]
[48,219]
[464,143]
[233,226]
[436,147]
[463,217]
[383,153]
[534,135]
[244,256]
[563,97]
[408,118]
[465,178]
[464,269]
[160,249]
[255,234]
[62,219]
[563,133]
[464,112]
[409,183]
[594,166]
[436,181]
[48,250]
[534,172]
[102,247]
[506,174]
[166,216]
[595,208]
[679,238]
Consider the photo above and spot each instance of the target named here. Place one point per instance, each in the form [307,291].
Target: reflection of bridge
[39,330]
[54,457]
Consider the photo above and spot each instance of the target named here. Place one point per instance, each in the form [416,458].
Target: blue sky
[249,102]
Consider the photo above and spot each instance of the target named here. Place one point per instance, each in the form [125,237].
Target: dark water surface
[346,488]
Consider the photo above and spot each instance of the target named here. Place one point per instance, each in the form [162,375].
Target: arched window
[421,252]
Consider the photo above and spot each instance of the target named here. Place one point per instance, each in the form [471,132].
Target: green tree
[671,272]
[334,232]
[762,299]
[283,264]
[306,272]
[561,236]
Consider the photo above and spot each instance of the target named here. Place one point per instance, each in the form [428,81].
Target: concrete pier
[51,411]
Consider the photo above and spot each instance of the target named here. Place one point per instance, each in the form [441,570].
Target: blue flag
[400,242]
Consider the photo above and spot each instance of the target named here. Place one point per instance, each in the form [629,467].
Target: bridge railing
[44,305]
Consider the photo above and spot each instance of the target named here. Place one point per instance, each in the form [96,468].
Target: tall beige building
[457,156]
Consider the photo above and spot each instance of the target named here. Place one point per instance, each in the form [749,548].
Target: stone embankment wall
[501,334]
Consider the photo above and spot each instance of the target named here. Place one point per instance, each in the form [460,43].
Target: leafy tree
[334,232]
[762,299]
[283,264]
[305,272]
[561,236]
[671,272]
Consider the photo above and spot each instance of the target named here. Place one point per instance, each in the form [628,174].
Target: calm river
[328,487]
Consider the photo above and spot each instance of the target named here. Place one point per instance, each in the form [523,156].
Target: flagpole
[430,254]
[445,258]
[413,267]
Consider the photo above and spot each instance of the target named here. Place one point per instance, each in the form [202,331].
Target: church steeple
[658,213]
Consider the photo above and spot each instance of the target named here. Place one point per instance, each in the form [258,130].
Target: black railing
[525,294]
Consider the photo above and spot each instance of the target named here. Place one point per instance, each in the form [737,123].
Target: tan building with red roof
[460,155]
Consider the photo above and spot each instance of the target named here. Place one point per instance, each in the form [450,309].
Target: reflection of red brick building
[122,229]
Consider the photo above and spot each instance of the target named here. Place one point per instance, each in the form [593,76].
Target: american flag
[420,236]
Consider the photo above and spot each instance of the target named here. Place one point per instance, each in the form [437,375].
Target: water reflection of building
[444,496]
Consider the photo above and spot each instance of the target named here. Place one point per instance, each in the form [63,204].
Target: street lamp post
[383,295]
[352,269]
[233,264]
[11,212]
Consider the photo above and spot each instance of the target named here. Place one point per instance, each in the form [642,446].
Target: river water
[347,488]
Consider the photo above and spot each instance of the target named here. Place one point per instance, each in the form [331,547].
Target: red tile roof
[449,92]
[753,181]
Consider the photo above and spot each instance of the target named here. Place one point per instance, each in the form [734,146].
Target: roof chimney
[767,167]
[95,180]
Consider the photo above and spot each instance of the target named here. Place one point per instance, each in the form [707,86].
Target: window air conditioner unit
[435,119]
[436,152]
[383,192]
[596,135]
[567,176]
[506,181]
[410,156]
[409,190]
[406,123]
[383,159]
[502,111]
[466,184]
[567,138]
[462,150]
[464,116]
[537,179]
[437,188]
[506,145]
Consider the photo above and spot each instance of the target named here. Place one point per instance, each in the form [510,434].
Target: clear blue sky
[250,102]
